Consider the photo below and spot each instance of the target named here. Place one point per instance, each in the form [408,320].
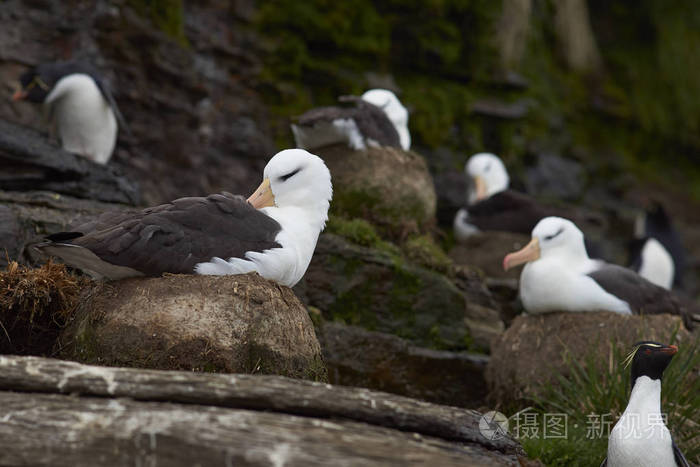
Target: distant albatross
[559,276]
[376,119]
[274,232]
[491,205]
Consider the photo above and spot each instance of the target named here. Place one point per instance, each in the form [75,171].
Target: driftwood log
[55,412]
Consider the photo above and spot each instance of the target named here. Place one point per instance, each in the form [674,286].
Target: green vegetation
[423,251]
[641,113]
[593,390]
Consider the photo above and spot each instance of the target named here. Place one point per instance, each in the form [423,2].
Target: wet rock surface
[28,216]
[381,292]
[234,324]
[357,357]
[535,349]
[386,186]
[30,162]
[84,415]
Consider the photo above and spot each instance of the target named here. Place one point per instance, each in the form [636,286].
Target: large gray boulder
[233,324]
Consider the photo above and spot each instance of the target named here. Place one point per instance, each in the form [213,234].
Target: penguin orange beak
[529,252]
[671,350]
[481,188]
[263,196]
[19,95]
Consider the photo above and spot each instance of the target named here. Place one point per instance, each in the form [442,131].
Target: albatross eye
[487,168]
[549,237]
[284,178]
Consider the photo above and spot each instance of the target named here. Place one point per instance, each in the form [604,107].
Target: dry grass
[34,305]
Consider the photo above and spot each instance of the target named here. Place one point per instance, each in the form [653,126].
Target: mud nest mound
[35,305]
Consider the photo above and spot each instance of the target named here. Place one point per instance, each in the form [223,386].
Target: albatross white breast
[376,119]
[559,276]
[274,232]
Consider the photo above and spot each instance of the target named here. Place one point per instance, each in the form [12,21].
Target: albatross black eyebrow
[286,177]
[549,237]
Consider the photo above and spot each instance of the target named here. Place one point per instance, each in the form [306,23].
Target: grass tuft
[34,305]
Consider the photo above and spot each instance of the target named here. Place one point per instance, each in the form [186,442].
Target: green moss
[424,251]
[356,230]
[166,15]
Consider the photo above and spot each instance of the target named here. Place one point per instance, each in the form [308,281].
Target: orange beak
[19,95]
[671,350]
[263,196]
[529,252]
[481,188]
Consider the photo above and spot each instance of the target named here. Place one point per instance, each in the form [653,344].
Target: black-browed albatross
[640,437]
[376,119]
[79,104]
[559,276]
[274,232]
[491,205]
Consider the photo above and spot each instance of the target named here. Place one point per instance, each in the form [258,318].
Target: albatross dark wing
[174,237]
[508,211]
[371,121]
[642,296]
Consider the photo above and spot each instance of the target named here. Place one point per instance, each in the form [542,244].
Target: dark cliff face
[183,80]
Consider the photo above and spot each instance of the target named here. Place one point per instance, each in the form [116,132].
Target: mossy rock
[388,187]
[382,291]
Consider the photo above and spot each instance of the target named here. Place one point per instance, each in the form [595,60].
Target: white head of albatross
[392,107]
[488,176]
[556,273]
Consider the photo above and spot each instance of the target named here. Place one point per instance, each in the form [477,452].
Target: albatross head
[295,178]
[488,176]
[397,113]
[551,237]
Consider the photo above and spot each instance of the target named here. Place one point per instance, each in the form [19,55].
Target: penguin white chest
[82,117]
[640,437]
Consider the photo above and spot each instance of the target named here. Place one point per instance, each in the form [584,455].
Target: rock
[28,161]
[66,414]
[386,186]
[375,360]
[241,323]
[380,291]
[534,349]
[556,178]
[27,216]
[486,251]
[499,109]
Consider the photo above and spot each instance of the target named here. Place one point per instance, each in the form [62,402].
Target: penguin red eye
[647,351]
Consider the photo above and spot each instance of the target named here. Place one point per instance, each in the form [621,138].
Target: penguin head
[37,83]
[650,359]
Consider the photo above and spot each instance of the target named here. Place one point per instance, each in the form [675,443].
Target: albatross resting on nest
[559,276]
[377,119]
[274,232]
